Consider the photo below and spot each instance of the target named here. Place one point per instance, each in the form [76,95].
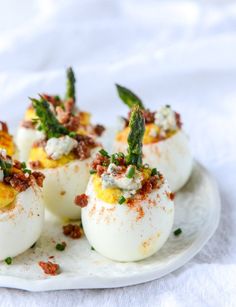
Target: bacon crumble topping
[81,200]
[49,268]
[73,231]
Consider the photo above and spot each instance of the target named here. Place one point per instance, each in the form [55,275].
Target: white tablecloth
[180,52]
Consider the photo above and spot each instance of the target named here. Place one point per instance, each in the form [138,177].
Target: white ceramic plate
[197,214]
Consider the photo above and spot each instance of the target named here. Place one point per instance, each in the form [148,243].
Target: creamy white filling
[58,147]
[111,179]
[165,119]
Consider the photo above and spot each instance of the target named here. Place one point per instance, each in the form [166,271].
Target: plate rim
[98,282]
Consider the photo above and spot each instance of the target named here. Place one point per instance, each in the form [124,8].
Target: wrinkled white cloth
[176,52]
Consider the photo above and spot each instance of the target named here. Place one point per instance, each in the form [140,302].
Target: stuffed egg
[64,158]
[21,207]
[128,208]
[165,144]
[67,114]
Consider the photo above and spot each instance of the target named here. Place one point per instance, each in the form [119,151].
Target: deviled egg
[64,158]
[21,207]
[165,144]
[128,208]
[67,114]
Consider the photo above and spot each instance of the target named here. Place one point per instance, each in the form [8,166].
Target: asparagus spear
[70,84]
[128,97]
[48,122]
[135,138]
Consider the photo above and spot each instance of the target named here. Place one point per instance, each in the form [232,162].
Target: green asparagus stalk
[135,137]
[128,97]
[48,122]
[70,84]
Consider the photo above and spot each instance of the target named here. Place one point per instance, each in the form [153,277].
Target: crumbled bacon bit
[35,164]
[72,231]
[85,144]
[39,178]
[100,170]
[149,116]
[18,181]
[51,99]
[170,195]
[49,268]
[99,129]
[73,123]
[81,200]
[178,120]
[99,163]
[4,127]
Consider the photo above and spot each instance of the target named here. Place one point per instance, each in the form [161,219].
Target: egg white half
[61,186]
[21,223]
[25,137]
[121,233]
[172,157]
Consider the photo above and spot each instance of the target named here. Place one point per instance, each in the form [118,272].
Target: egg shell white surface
[120,233]
[25,137]
[172,157]
[62,184]
[21,224]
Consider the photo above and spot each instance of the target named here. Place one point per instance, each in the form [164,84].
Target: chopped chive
[23,165]
[72,134]
[121,200]
[61,246]
[177,232]
[104,153]
[154,172]
[92,248]
[130,172]
[92,171]
[8,260]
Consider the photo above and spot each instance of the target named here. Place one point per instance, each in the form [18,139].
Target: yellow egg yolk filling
[30,114]
[108,195]
[7,195]
[6,142]
[151,134]
[112,195]
[39,154]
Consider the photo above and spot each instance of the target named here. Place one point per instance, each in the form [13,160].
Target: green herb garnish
[121,200]
[154,172]
[24,168]
[70,84]
[92,171]
[130,171]
[5,167]
[104,153]
[48,122]
[128,97]
[92,248]
[61,246]
[177,232]
[8,260]
[135,137]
